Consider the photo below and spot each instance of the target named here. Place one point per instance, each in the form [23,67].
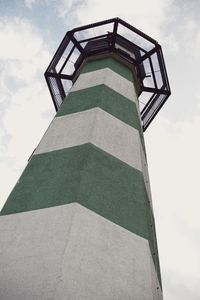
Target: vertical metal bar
[74,40]
[153,74]
[115,27]
[66,60]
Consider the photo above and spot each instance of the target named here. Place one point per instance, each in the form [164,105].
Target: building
[79,223]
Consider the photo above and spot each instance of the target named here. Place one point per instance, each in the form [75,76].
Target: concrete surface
[70,253]
[97,127]
[108,77]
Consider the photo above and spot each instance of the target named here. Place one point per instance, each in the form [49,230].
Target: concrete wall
[70,253]
[93,154]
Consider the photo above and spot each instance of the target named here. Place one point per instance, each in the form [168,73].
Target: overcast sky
[30,32]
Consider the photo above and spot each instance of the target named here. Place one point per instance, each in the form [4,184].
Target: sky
[30,32]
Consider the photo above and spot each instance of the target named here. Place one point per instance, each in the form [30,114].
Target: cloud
[22,71]
[143,14]
[23,57]
[181,30]
[191,37]
[29,3]
[19,39]
[181,286]
[66,6]
[174,163]
[18,123]
[180,162]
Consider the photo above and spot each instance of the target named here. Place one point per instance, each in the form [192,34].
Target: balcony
[113,36]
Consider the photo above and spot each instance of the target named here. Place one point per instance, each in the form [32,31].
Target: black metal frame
[143,53]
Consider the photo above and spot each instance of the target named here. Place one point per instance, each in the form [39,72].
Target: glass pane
[70,65]
[92,32]
[143,99]
[66,85]
[148,79]
[157,72]
[64,56]
[158,101]
[55,91]
[135,38]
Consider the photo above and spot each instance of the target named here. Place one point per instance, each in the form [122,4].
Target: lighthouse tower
[79,224]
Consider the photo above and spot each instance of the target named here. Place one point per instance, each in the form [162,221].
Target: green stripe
[113,64]
[108,100]
[105,98]
[91,177]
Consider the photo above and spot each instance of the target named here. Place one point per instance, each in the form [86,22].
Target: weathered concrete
[101,129]
[93,178]
[157,292]
[97,127]
[69,252]
[92,154]
[108,77]
[146,175]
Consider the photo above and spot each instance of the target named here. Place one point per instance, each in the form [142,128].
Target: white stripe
[101,129]
[70,252]
[97,127]
[108,77]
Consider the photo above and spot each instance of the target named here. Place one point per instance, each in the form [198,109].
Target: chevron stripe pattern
[82,206]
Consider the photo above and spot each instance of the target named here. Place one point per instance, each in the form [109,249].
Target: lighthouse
[79,223]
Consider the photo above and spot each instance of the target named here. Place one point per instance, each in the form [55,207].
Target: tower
[79,223]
